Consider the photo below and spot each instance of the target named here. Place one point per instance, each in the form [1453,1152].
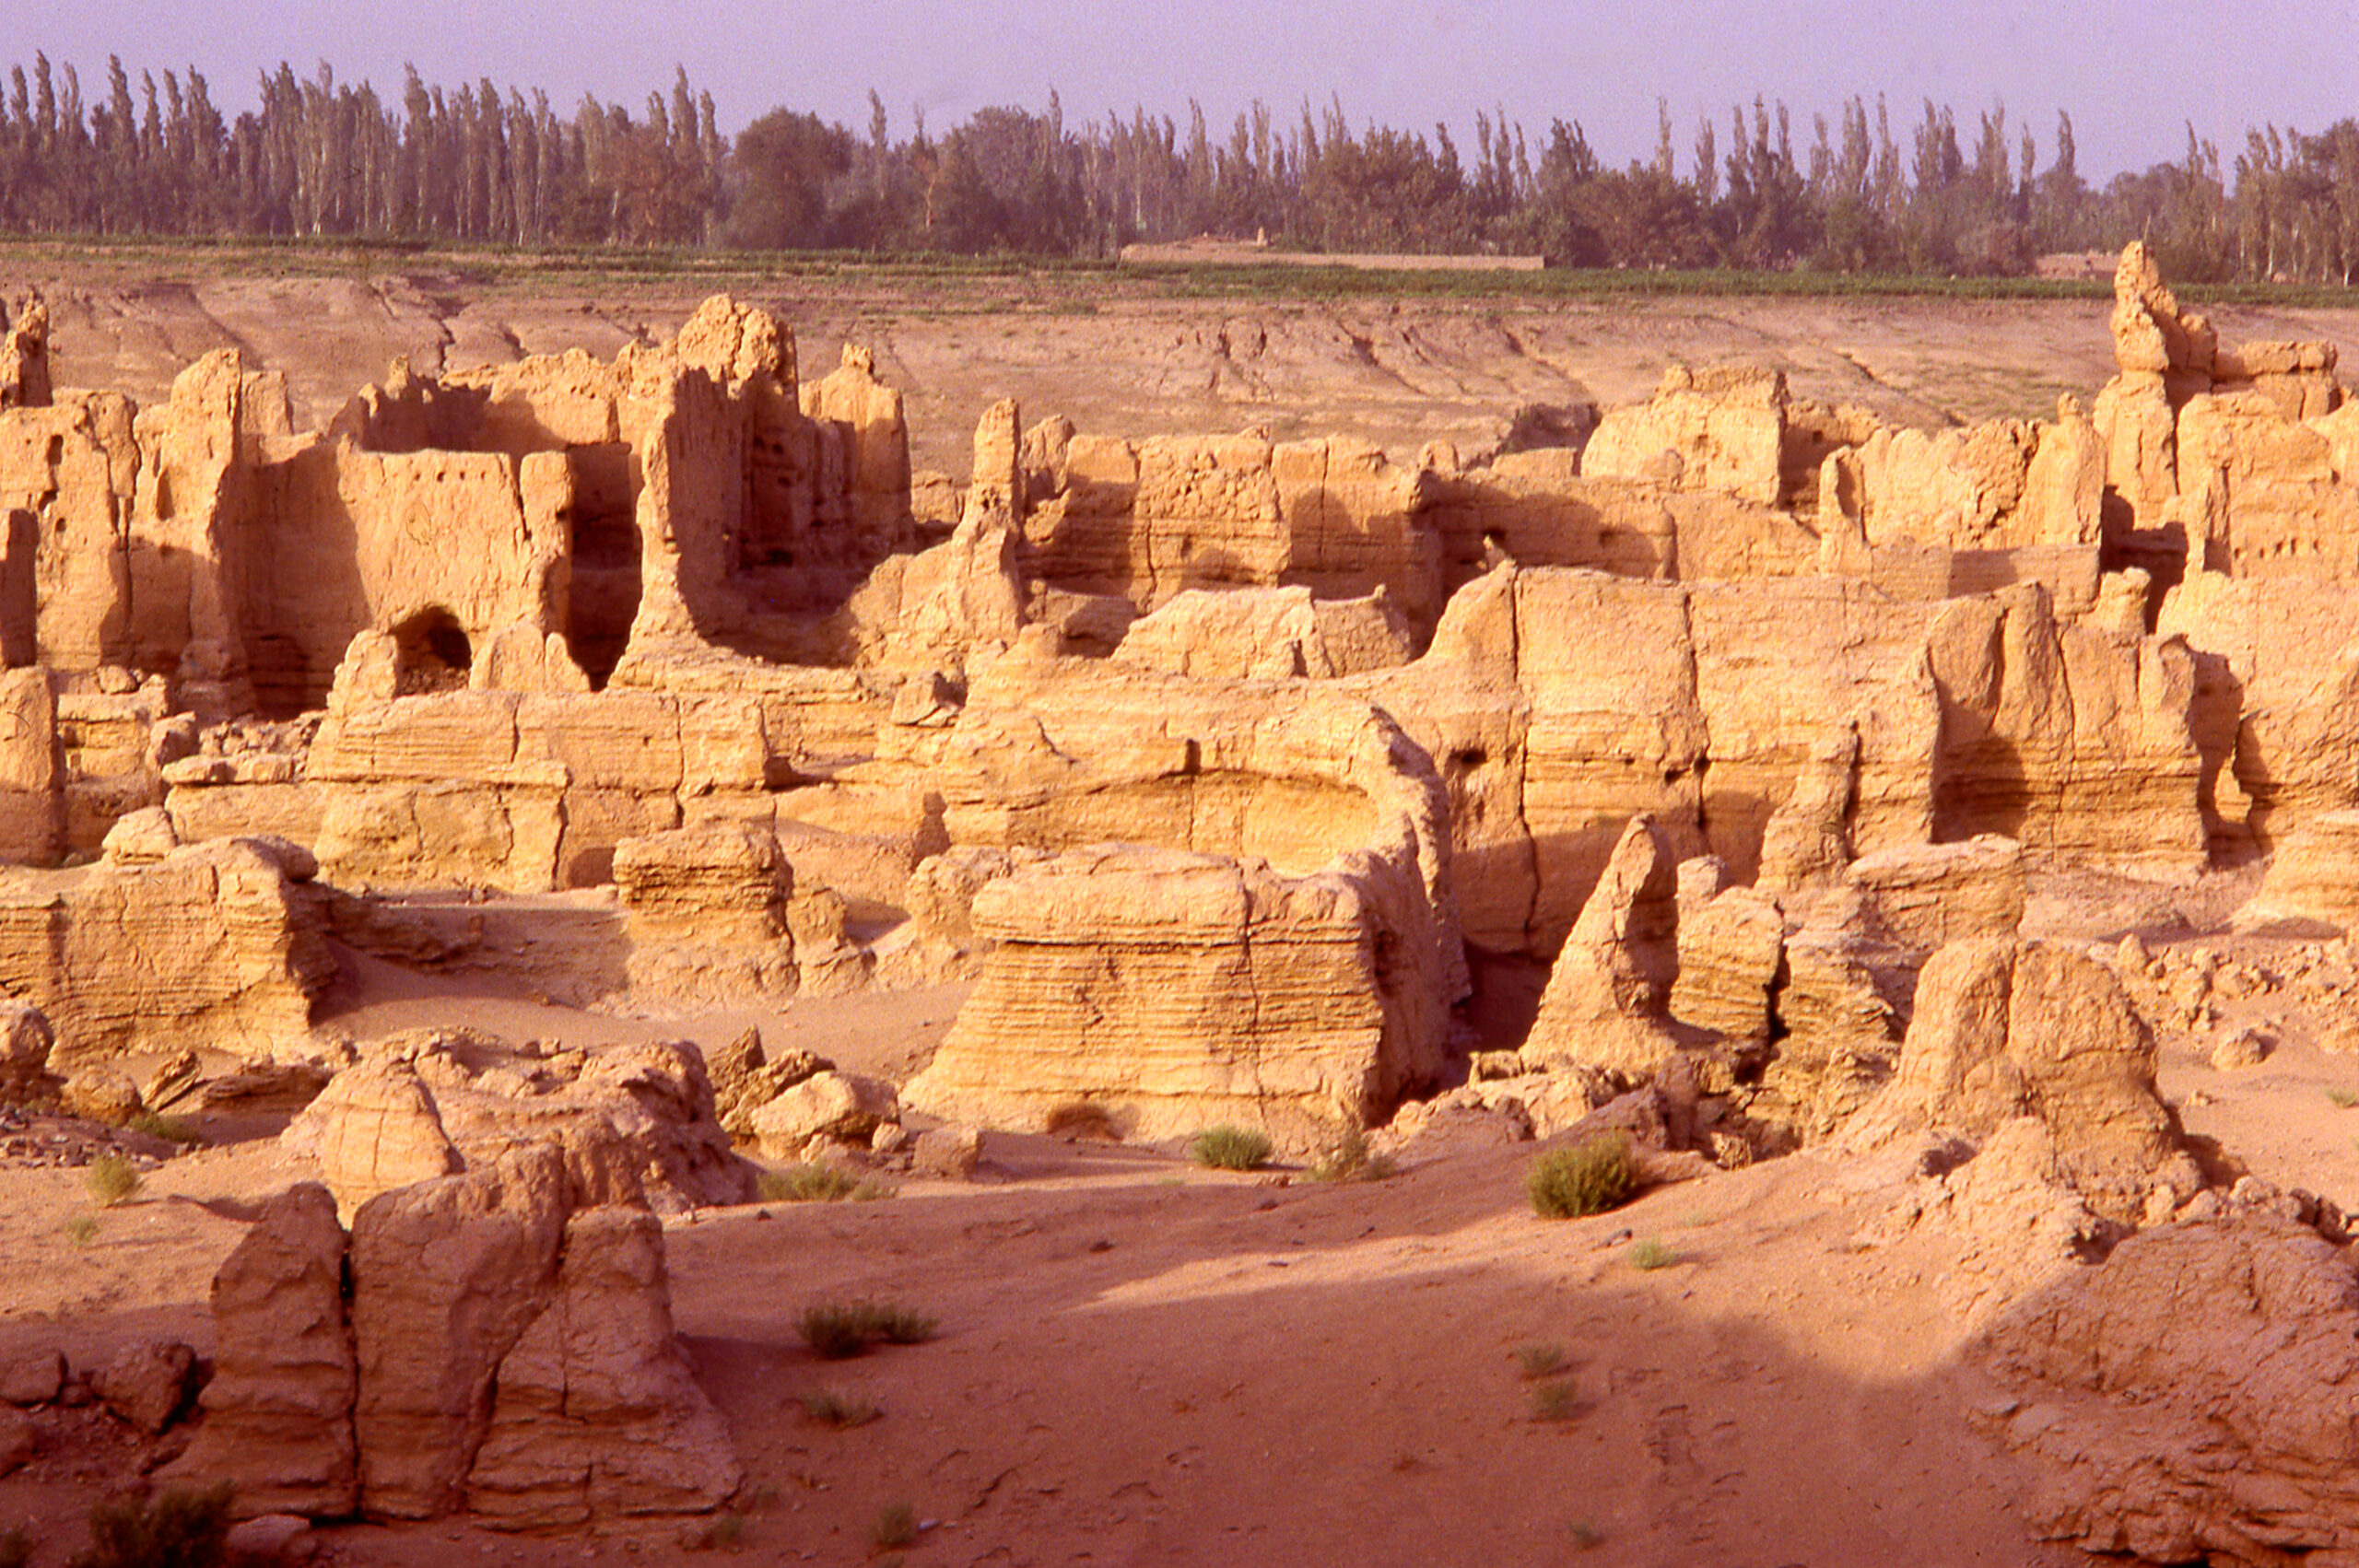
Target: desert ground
[1112,355]
[1140,1361]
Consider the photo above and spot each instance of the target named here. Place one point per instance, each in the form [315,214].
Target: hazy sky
[2131,74]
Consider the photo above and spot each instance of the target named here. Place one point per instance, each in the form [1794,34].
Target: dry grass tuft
[1230,1148]
[1081,1119]
[1589,1177]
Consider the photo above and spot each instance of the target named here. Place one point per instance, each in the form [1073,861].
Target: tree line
[320,158]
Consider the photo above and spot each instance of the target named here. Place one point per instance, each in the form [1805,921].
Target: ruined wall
[67,476]
[202,540]
[2070,739]
[531,790]
[230,953]
[863,418]
[1177,990]
[2006,485]
[2263,495]
[407,542]
[24,357]
[1153,519]
[1780,669]
[565,604]
[32,769]
[1269,633]
[1535,508]
[1303,813]
[2219,457]
[1719,428]
[524,792]
[2276,712]
[1558,703]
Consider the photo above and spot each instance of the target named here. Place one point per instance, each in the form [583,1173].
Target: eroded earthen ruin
[1233,781]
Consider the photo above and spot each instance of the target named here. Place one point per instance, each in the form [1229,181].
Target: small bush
[171,1129]
[1348,1157]
[1081,1119]
[1230,1148]
[1585,1535]
[179,1528]
[900,1325]
[723,1532]
[1589,1177]
[895,1525]
[2343,1099]
[110,1179]
[1539,1360]
[1557,1401]
[838,1331]
[82,1229]
[835,1331]
[818,1183]
[833,1406]
[1650,1255]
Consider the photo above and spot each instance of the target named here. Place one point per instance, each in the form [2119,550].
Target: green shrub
[899,1325]
[178,1528]
[1556,1401]
[833,1406]
[723,1532]
[2343,1099]
[838,1331]
[818,1183]
[895,1525]
[1591,1177]
[1538,1360]
[834,1330]
[1230,1148]
[1650,1255]
[82,1229]
[171,1129]
[110,1179]
[1347,1157]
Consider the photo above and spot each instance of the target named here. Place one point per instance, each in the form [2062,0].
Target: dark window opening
[432,653]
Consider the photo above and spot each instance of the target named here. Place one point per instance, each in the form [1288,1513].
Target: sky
[2134,75]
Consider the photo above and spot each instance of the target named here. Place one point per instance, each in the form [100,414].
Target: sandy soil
[1144,1363]
[1141,1362]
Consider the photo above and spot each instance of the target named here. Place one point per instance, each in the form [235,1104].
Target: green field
[586,266]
